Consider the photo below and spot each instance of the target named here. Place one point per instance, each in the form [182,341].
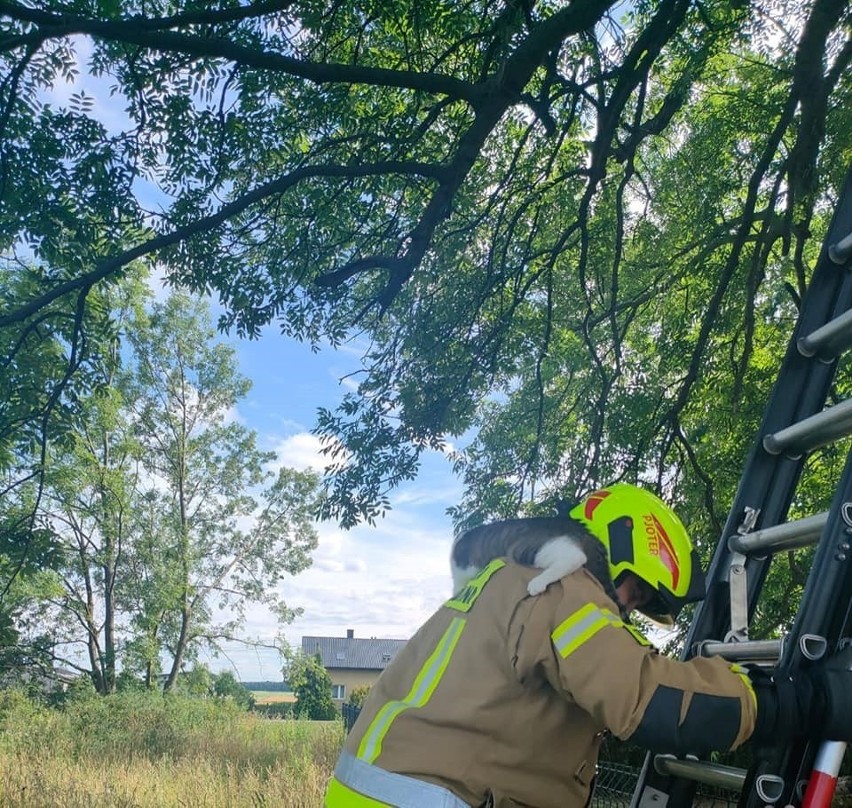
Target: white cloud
[428,495]
[232,415]
[379,581]
[300,451]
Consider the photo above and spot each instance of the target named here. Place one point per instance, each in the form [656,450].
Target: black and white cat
[556,545]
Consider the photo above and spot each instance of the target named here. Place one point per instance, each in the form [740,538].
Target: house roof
[352,652]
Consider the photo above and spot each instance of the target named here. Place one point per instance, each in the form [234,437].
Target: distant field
[273,697]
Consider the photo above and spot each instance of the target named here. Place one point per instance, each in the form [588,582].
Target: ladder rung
[769,787]
[745,650]
[840,252]
[711,774]
[787,536]
[812,432]
[829,340]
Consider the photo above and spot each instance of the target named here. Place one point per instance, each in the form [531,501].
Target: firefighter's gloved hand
[814,703]
[785,706]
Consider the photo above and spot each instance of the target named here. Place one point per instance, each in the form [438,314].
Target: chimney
[350,633]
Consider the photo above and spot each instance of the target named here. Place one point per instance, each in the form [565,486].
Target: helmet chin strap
[597,563]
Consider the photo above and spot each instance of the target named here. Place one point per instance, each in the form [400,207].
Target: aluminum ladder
[796,422]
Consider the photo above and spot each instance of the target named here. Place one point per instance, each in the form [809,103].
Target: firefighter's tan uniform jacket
[506,697]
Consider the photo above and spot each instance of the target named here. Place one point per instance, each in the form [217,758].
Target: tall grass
[141,751]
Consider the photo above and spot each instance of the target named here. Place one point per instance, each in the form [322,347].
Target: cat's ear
[562,508]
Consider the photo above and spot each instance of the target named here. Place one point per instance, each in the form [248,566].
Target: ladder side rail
[779,476]
[768,482]
[829,585]
[829,580]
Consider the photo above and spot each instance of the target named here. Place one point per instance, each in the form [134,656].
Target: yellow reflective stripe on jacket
[421,691]
[581,626]
[340,796]
[470,592]
[742,672]
[637,635]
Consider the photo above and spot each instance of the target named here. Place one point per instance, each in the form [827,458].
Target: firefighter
[502,698]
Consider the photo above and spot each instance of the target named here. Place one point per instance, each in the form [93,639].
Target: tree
[165,510]
[312,685]
[577,232]
[197,681]
[58,377]
[49,366]
[225,685]
[204,473]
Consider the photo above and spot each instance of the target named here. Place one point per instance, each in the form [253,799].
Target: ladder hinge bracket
[738,582]
[749,520]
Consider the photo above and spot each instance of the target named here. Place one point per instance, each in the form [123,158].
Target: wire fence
[350,713]
[615,783]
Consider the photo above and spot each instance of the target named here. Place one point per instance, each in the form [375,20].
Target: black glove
[785,706]
[812,703]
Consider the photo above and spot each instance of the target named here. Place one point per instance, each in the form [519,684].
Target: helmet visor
[664,606]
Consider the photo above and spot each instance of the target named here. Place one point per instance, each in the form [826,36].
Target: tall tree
[88,504]
[52,364]
[516,202]
[167,511]
[230,528]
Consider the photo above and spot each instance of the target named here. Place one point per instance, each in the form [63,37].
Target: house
[48,682]
[351,661]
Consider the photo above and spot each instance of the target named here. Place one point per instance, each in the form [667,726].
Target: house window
[338,692]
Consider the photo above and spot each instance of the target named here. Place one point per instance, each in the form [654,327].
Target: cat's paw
[537,585]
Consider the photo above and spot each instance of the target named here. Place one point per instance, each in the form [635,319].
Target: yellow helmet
[644,536]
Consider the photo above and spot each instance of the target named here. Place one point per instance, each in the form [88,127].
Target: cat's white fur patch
[557,558]
[461,575]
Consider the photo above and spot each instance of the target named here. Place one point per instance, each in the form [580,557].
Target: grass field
[273,697]
[153,752]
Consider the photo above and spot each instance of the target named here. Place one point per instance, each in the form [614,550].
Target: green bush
[275,709]
[225,685]
[358,696]
[312,686]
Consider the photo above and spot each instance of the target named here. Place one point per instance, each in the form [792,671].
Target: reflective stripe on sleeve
[742,672]
[581,626]
[357,784]
[421,691]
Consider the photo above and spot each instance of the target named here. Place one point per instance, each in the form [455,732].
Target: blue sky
[382,580]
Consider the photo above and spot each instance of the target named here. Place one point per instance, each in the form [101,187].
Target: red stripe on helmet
[592,501]
[667,552]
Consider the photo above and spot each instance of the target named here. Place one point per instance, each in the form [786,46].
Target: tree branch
[130,31]
[110,266]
